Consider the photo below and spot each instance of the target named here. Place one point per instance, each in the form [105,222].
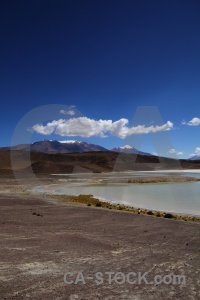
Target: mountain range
[60,157]
[73,146]
[129,150]
[196,157]
[57,147]
[70,146]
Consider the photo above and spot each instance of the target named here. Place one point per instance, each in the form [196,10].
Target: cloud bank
[86,127]
[196,152]
[194,122]
[67,112]
[173,151]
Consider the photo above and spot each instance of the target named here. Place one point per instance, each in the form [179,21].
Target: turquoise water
[179,198]
[169,197]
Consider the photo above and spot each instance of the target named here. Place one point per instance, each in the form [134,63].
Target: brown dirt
[89,161]
[41,240]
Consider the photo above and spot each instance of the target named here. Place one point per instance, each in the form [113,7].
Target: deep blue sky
[106,58]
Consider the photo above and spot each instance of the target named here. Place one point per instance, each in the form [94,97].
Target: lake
[183,198]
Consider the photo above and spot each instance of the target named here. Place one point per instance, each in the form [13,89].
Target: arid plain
[42,238]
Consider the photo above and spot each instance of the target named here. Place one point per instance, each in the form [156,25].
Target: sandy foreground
[43,239]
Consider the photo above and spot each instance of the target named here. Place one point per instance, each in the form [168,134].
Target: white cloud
[46,130]
[67,112]
[119,128]
[141,129]
[194,122]
[196,152]
[86,127]
[173,151]
[179,153]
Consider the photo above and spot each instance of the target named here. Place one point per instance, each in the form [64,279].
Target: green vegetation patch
[89,200]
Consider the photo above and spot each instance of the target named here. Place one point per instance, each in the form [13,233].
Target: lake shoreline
[101,186]
[90,200]
[153,179]
[42,239]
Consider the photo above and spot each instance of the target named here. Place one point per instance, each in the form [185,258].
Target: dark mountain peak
[70,146]
[129,150]
[67,146]
[196,157]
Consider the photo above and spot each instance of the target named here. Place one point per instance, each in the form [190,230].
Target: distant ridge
[196,157]
[93,161]
[129,150]
[57,147]
[71,146]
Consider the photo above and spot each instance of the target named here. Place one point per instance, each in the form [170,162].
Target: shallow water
[170,197]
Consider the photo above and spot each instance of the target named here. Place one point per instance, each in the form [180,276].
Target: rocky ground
[42,239]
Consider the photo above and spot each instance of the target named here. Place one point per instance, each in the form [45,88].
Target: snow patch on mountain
[69,142]
[126,147]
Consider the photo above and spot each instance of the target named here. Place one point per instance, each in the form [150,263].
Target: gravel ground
[42,239]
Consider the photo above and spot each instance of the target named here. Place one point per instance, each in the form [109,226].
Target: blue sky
[106,58]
